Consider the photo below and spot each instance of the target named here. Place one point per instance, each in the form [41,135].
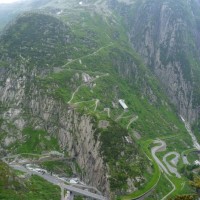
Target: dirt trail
[131,121]
[91,54]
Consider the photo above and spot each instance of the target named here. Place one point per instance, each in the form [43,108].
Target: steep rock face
[49,82]
[166,48]
[85,149]
[128,69]
[28,105]
[75,134]
[24,103]
[160,46]
[38,96]
[165,33]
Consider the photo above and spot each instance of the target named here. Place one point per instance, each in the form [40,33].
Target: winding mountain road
[162,147]
[96,104]
[174,188]
[131,121]
[91,54]
[77,89]
[172,169]
[84,84]
[156,149]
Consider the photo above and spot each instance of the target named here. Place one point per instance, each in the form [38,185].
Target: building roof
[122,103]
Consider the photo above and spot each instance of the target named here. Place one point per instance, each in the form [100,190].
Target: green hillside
[84,61]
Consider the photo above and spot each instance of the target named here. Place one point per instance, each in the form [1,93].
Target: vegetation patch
[34,188]
[36,141]
[58,167]
[122,157]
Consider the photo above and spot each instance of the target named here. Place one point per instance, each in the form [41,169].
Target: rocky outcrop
[42,93]
[80,144]
[165,34]
[29,105]
[165,47]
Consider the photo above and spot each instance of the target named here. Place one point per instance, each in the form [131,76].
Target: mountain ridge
[71,94]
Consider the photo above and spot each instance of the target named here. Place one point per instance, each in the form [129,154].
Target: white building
[122,103]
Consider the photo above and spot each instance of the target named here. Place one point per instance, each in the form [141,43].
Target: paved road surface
[58,182]
[91,54]
[131,121]
[185,160]
[172,169]
[156,149]
[173,189]
[159,148]
[84,84]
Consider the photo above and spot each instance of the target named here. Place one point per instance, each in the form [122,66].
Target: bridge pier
[69,196]
[72,191]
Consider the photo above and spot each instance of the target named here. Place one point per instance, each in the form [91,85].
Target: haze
[8,1]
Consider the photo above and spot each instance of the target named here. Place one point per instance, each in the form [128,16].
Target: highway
[56,181]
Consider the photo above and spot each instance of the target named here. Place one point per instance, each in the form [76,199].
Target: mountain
[166,35]
[66,67]
[8,12]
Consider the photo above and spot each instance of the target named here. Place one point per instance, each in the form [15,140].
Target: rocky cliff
[165,34]
[28,106]
[63,73]
[35,93]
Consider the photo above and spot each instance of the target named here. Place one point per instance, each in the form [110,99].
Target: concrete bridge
[56,181]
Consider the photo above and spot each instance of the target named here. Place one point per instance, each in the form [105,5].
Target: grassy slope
[154,120]
[36,142]
[34,188]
